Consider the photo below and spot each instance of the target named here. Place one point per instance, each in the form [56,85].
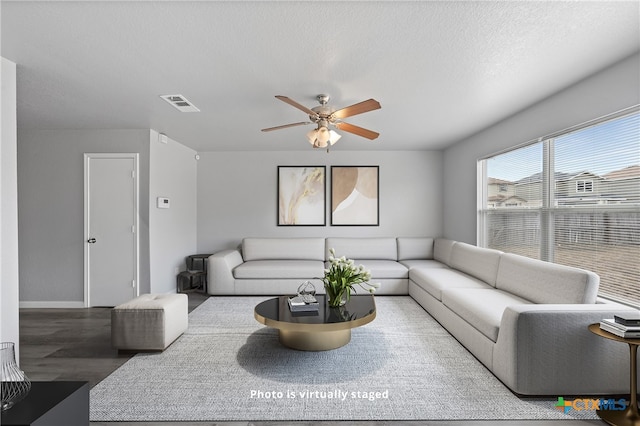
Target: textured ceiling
[441,70]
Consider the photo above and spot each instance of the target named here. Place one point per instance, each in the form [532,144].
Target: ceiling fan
[325,116]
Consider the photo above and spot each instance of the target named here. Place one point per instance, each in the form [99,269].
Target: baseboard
[51,304]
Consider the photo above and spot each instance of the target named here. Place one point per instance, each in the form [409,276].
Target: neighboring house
[501,193]
[571,189]
[583,188]
[578,188]
[500,188]
[623,184]
[502,201]
[530,189]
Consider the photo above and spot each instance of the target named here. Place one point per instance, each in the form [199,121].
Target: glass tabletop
[357,308]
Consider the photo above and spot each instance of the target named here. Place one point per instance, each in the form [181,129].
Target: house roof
[442,70]
[496,181]
[558,176]
[626,173]
[502,198]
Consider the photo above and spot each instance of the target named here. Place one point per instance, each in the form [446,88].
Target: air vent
[180,103]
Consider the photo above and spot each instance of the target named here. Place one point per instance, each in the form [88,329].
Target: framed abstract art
[302,195]
[354,196]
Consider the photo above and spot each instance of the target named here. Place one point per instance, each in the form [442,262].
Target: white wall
[9,318]
[611,90]
[50,207]
[421,192]
[172,231]
[237,195]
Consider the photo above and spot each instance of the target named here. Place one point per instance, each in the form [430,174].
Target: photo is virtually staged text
[339,394]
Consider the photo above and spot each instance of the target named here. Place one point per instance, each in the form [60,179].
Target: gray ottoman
[149,322]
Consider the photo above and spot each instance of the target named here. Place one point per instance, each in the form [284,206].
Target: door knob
[91,240]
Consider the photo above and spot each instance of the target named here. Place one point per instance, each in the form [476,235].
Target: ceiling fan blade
[297,105]
[284,126]
[359,108]
[365,133]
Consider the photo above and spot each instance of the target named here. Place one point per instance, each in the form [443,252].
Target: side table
[629,416]
[195,277]
[197,262]
[192,280]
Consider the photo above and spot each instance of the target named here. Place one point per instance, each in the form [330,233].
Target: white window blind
[572,199]
[513,202]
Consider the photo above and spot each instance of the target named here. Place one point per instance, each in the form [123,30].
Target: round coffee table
[328,328]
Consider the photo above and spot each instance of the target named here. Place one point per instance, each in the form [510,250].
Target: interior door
[111,228]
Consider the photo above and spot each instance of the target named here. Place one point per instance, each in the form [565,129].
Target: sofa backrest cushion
[411,248]
[478,262]
[545,282]
[442,250]
[283,249]
[363,248]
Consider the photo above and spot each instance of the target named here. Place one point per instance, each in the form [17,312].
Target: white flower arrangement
[341,277]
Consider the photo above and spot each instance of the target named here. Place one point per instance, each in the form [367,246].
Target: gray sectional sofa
[524,319]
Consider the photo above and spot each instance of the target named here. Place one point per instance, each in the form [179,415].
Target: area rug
[228,367]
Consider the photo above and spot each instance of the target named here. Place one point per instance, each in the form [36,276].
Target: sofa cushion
[423,263]
[435,280]
[415,248]
[481,308]
[545,282]
[363,248]
[481,263]
[384,268]
[270,269]
[283,249]
[442,250]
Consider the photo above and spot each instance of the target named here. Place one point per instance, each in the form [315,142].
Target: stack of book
[303,304]
[623,325]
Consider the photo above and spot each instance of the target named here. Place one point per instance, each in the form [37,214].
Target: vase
[15,384]
[338,314]
[337,299]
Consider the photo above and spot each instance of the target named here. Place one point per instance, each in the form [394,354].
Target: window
[584,186]
[572,198]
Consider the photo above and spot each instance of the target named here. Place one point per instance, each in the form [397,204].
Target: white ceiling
[441,70]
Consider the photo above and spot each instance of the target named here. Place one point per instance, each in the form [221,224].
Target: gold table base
[628,417]
[316,340]
[329,328]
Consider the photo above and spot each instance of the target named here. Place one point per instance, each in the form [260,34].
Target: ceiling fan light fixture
[334,136]
[311,136]
[322,137]
[324,116]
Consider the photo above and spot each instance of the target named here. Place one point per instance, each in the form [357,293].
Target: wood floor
[75,344]
[72,344]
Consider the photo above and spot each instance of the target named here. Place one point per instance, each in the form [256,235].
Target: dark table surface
[357,308]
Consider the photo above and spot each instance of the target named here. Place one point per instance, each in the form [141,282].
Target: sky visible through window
[599,149]
[515,165]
